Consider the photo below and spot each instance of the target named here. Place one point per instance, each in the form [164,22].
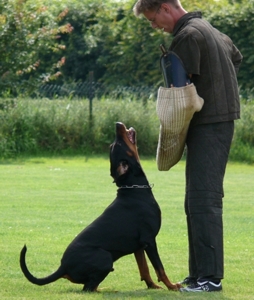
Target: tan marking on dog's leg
[144,270]
[164,278]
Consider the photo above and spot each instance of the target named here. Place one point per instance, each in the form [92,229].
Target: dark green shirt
[213,60]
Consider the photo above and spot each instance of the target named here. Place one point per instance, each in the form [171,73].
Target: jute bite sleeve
[175,108]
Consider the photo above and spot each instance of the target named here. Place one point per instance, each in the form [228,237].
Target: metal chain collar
[135,186]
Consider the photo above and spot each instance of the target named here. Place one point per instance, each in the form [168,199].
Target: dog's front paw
[177,286]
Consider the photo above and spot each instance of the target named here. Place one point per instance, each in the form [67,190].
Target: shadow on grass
[147,294]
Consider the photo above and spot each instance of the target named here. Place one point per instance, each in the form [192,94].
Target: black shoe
[188,281]
[206,286]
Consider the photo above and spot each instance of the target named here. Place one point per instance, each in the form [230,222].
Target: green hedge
[35,127]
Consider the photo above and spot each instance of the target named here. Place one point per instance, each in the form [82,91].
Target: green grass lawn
[45,202]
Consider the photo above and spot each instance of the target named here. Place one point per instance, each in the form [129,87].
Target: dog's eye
[124,163]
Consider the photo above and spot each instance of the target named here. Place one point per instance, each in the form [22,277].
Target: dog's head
[125,165]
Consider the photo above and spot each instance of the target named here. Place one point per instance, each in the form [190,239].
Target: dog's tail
[39,281]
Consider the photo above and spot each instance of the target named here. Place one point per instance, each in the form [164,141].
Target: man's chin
[168,30]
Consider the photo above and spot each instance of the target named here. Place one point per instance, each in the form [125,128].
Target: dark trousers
[208,148]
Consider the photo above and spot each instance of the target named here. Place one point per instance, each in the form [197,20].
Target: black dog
[128,225]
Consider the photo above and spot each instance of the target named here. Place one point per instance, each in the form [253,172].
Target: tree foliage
[105,38]
[26,30]
[133,53]
[124,50]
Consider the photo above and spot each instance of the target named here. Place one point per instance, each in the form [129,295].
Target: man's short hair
[144,5]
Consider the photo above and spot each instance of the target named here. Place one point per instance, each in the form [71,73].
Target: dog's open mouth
[131,135]
[122,131]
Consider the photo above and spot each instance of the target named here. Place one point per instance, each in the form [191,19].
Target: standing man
[212,61]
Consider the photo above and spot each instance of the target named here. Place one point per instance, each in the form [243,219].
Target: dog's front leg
[144,270]
[153,255]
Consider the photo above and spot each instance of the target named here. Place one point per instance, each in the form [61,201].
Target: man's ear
[166,7]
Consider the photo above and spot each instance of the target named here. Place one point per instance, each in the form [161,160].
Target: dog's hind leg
[94,281]
[144,270]
[100,265]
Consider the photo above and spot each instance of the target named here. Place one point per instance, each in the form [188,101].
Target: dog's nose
[119,125]
[120,128]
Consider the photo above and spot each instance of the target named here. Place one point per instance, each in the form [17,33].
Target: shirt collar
[182,22]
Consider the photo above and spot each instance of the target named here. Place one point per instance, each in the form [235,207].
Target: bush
[66,127]
[243,143]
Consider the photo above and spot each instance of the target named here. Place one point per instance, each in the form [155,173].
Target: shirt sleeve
[186,47]
[236,58]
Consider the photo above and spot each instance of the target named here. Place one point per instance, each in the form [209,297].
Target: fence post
[91,96]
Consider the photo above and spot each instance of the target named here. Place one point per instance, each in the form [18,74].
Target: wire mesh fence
[92,89]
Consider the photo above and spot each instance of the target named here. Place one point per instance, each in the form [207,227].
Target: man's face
[161,18]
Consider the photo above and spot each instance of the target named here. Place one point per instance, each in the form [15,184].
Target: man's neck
[179,13]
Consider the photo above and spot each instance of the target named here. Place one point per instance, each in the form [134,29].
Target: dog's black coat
[128,225]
